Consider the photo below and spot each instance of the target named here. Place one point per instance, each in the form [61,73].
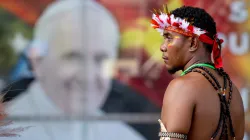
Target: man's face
[174,49]
[73,72]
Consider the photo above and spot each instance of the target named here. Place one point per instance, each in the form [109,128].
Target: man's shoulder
[186,85]
[180,89]
[178,105]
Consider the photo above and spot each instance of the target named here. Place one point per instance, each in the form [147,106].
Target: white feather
[184,25]
[172,19]
[158,21]
[198,31]
[164,18]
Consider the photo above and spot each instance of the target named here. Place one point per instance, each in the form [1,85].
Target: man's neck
[195,60]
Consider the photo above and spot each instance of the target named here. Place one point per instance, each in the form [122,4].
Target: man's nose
[163,47]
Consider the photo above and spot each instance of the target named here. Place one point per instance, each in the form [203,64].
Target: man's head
[181,46]
[81,37]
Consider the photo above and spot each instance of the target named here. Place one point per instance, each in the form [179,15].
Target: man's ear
[194,44]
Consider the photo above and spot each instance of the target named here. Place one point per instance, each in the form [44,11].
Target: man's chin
[172,70]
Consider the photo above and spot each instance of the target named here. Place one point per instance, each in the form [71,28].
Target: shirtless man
[202,103]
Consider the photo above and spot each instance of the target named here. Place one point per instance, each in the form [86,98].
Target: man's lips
[164,58]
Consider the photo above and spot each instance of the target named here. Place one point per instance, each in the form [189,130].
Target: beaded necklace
[195,65]
[224,105]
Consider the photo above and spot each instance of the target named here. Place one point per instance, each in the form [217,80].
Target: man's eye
[167,37]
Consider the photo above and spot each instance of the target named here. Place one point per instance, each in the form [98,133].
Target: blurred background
[102,59]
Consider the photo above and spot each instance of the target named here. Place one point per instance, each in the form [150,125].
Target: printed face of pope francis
[76,72]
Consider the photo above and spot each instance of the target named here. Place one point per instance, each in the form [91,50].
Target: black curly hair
[199,18]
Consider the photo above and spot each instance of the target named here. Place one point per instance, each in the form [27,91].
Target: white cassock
[35,102]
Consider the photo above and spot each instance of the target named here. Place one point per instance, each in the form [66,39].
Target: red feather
[159,18]
[191,28]
[169,20]
[176,24]
[156,26]
[154,22]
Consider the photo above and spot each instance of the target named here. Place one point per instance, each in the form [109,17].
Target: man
[75,41]
[203,103]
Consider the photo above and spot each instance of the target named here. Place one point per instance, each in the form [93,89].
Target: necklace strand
[225,113]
